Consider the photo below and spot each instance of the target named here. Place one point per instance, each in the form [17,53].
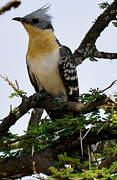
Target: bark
[27,165]
[9,5]
[35,117]
[87,47]
[40,101]
[105,55]
[41,161]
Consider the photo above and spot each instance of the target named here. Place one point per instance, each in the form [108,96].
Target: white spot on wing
[72,89]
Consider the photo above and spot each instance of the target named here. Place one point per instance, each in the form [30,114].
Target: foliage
[114,23]
[63,172]
[70,172]
[17,94]
[101,174]
[91,96]
[104,5]
[48,133]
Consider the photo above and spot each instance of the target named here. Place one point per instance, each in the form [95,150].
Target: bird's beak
[18,19]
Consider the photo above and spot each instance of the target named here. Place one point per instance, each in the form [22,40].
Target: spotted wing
[68,73]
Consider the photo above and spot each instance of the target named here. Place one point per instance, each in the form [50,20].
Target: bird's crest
[41,13]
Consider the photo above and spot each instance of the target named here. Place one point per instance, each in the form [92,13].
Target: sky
[71,21]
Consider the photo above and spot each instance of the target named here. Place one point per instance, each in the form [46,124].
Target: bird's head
[39,19]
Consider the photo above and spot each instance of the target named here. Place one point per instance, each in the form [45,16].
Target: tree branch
[35,117]
[39,101]
[105,55]
[43,160]
[87,47]
[49,155]
[114,82]
[9,5]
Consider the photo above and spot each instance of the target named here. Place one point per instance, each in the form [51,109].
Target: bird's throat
[40,41]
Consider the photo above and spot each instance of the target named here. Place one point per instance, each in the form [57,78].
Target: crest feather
[41,13]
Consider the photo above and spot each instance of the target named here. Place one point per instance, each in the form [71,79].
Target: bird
[51,65]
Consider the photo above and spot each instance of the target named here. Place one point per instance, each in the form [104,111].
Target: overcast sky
[71,20]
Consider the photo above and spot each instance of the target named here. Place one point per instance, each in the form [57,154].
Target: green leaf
[104,5]
[115,23]
[17,94]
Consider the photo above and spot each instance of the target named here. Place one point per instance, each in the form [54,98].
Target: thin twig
[101,91]
[10,108]
[32,150]
[15,87]
[81,142]
[86,133]
[100,128]
[9,82]
[89,154]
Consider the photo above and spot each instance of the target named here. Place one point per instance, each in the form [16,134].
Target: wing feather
[68,73]
[32,79]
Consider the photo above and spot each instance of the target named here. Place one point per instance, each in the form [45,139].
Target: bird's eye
[35,21]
